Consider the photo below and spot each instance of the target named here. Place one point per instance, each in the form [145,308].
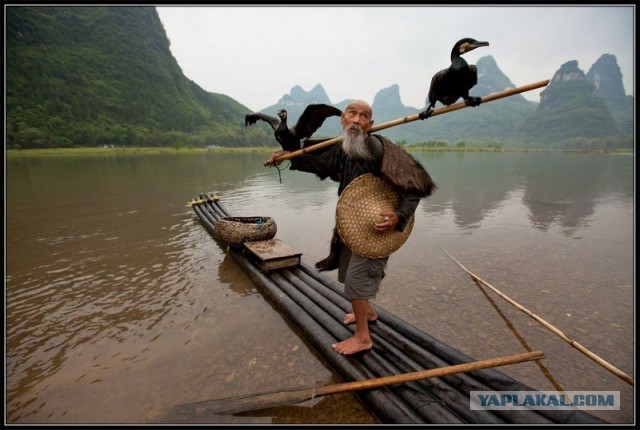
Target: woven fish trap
[234,231]
[359,208]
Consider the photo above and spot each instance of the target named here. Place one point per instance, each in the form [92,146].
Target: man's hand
[273,160]
[389,221]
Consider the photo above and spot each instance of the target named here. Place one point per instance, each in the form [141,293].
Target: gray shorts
[361,276]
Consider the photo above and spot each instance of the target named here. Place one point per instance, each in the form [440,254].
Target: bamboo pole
[403,403]
[411,118]
[431,373]
[547,374]
[233,405]
[619,373]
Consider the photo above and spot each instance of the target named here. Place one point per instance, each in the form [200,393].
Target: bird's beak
[475,45]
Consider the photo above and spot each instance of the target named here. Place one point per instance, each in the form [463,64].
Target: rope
[280,169]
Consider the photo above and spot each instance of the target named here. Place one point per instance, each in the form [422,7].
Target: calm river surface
[119,302]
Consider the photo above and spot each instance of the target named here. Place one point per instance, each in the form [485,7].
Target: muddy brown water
[119,303]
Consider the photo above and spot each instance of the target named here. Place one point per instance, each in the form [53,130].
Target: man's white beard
[355,145]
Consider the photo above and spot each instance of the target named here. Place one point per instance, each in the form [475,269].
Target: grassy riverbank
[84,152]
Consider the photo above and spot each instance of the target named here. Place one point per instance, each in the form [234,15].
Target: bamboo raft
[315,305]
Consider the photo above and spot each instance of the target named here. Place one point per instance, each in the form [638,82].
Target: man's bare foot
[351,318]
[352,345]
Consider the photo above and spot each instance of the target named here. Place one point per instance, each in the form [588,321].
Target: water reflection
[469,190]
[118,300]
[562,193]
[557,189]
[229,275]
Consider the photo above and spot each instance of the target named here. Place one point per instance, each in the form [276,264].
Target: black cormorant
[448,85]
[289,138]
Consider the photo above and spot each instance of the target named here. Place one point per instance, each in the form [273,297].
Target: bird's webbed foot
[473,101]
[426,113]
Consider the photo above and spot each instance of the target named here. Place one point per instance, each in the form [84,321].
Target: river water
[119,303]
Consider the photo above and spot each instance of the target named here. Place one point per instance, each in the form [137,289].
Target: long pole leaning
[411,118]
[233,405]
[611,368]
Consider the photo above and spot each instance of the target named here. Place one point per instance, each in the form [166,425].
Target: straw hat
[359,208]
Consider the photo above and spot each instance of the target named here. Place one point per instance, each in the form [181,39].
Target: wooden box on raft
[272,254]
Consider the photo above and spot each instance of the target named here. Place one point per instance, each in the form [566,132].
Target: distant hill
[88,76]
[569,108]
[97,75]
[574,108]
[606,78]
[296,101]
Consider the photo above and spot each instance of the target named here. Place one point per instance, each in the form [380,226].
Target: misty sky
[257,54]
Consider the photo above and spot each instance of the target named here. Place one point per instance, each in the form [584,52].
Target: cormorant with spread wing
[448,85]
[310,121]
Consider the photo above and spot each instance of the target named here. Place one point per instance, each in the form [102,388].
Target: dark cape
[404,173]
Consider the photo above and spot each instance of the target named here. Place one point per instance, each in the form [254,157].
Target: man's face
[357,113]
